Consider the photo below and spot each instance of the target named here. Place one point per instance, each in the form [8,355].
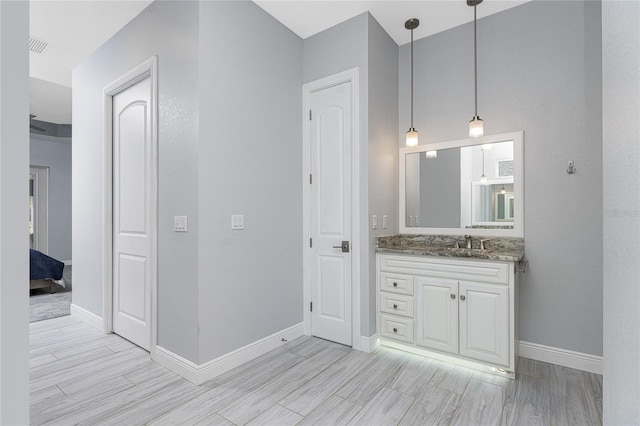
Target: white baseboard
[200,373]
[563,357]
[86,316]
[66,262]
[179,365]
[368,344]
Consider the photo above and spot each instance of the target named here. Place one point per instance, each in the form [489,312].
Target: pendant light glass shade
[476,125]
[412,137]
[412,133]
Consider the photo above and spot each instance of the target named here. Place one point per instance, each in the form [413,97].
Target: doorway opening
[335,308]
[38,208]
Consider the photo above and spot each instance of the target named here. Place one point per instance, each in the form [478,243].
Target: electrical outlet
[385,222]
[180,223]
[237,221]
[374,222]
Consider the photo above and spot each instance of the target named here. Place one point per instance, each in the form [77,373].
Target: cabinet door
[484,322]
[437,314]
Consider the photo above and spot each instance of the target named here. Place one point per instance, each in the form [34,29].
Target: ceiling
[308,17]
[75,29]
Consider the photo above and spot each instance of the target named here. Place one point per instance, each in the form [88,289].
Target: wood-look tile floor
[81,376]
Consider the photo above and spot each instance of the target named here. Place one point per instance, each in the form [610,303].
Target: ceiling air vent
[38,45]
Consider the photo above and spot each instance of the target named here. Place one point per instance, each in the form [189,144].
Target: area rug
[47,306]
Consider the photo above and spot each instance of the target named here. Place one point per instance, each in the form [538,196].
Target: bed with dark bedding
[45,271]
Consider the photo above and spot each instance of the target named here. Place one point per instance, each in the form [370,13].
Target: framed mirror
[468,186]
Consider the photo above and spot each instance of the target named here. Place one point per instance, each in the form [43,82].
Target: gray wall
[250,163]
[337,49]
[383,154]
[14,190]
[440,197]
[361,42]
[538,70]
[55,153]
[168,29]
[621,153]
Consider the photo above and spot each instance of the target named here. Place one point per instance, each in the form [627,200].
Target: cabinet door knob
[462,297]
[395,284]
[395,306]
[395,330]
[453,296]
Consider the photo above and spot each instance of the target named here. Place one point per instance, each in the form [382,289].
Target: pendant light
[483,178]
[476,125]
[412,133]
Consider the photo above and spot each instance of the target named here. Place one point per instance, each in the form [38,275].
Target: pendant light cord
[475,59]
[482,162]
[412,79]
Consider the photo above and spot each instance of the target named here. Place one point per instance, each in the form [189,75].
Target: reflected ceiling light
[431,154]
[476,125]
[412,133]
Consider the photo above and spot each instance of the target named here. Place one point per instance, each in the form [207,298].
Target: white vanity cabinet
[461,309]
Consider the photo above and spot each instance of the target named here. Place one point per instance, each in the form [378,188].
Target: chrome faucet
[467,241]
[482,247]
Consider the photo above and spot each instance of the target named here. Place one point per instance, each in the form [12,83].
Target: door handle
[344,246]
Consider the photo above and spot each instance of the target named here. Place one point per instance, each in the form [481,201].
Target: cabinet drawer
[396,328]
[396,283]
[396,304]
[453,268]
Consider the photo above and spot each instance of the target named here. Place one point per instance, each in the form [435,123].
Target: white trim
[179,365]
[200,373]
[41,218]
[369,344]
[518,186]
[66,262]
[353,76]
[149,68]
[563,357]
[89,317]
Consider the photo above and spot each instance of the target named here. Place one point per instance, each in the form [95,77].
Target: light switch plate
[384,221]
[237,221]
[374,222]
[180,223]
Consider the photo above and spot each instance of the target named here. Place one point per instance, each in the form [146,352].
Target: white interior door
[132,178]
[330,209]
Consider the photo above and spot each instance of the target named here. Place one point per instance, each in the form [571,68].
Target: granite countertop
[496,248]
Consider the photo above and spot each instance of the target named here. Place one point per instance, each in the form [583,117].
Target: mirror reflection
[461,187]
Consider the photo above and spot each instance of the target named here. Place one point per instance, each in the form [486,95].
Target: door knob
[344,246]
[462,297]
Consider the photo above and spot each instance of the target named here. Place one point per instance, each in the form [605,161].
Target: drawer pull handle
[395,330]
[462,298]
[453,296]
[395,284]
[395,306]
